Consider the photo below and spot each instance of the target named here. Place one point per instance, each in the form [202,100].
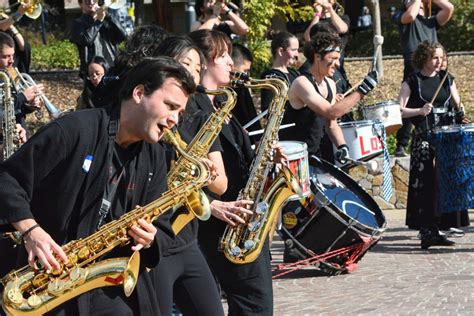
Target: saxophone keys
[235,251]
[14,295]
[261,208]
[249,244]
[78,274]
[72,260]
[83,253]
[40,280]
[57,287]
[34,300]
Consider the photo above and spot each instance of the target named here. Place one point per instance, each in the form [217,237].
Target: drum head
[349,199]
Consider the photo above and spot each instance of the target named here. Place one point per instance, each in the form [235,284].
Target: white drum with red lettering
[362,139]
[297,154]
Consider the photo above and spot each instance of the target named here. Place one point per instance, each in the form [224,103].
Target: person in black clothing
[22,46]
[326,16]
[27,100]
[95,72]
[416,94]
[284,56]
[312,94]
[210,12]
[143,42]
[97,155]
[415,27]
[248,287]
[183,276]
[96,34]
[244,109]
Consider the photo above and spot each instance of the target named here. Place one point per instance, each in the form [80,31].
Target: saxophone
[198,148]
[29,291]
[10,136]
[243,243]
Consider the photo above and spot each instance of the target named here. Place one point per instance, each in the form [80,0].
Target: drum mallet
[371,165]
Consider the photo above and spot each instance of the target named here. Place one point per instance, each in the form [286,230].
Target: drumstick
[256,118]
[378,41]
[439,87]
[260,131]
[371,165]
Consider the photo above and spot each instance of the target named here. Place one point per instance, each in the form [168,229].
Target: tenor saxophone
[29,291]
[10,137]
[198,148]
[243,243]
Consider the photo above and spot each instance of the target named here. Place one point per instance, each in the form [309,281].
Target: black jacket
[48,179]
[96,38]
[237,155]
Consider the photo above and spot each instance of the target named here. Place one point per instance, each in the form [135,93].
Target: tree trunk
[163,14]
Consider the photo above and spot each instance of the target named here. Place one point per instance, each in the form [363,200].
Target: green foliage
[58,54]
[259,16]
[458,34]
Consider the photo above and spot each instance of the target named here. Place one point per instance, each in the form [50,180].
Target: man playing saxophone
[89,168]
[29,99]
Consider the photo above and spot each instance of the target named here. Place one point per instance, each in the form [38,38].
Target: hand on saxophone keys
[231,212]
[43,251]
[143,234]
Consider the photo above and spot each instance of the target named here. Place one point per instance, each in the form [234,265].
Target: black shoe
[435,240]
[400,151]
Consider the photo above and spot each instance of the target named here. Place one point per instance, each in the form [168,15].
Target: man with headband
[312,96]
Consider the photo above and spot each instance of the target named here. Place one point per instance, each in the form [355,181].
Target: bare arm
[302,93]
[219,186]
[236,24]
[445,13]
[317,16]
[411,12]
[403,98]
[455,95]
[335,133]
[340,26]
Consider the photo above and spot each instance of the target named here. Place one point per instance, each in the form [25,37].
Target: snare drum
[337,214]
[455,167]
[387,112]
[362,139]
[297,154]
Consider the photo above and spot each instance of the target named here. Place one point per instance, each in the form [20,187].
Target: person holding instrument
[183,276]
[102,156]
[248,287]
[420,93]
[210,12]
[312,96]
[96,34]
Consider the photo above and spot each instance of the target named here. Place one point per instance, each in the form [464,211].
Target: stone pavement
[395,277]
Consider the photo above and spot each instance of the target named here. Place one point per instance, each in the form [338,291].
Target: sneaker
[400,151]
[435,240]
[454,232]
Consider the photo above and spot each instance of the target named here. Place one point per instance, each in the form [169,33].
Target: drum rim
[383,103]
[303,148]
[366,197]
[352,123]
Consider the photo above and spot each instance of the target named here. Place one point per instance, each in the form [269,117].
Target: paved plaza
[394,277]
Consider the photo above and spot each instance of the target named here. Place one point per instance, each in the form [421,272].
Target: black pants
[186,279]
[248,286]
[404,133]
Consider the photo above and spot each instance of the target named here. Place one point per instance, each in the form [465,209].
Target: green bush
[58,54]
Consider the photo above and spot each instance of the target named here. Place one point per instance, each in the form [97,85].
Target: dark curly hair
[321,45]
[424,52]
[143,42]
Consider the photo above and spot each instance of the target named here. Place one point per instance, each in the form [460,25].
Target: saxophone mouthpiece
[237,75]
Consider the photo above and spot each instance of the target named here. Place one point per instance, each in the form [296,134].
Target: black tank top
[309,127]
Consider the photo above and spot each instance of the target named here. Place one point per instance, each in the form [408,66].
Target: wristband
[228,11]
[16,16]
[317,14]
[29,231]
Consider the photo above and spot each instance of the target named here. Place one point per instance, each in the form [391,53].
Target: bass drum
[337,215]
